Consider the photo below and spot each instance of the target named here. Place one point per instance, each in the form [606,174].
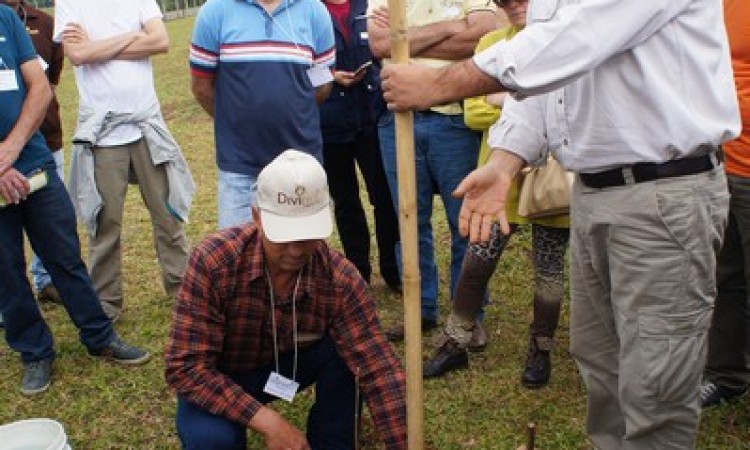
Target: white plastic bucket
[33,434]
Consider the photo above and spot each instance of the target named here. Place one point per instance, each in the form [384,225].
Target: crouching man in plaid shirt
[268,308]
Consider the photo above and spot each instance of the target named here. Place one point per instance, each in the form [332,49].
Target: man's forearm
[463,80]
[33,110]
[322,92]
[462,45]
[152,41]
[203,91]
[92,52]
[420,38]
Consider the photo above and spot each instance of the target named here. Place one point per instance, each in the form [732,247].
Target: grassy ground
[106,406]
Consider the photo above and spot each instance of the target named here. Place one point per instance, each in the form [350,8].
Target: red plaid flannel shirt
[221,324]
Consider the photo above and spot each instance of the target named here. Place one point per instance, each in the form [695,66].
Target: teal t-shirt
[16,48]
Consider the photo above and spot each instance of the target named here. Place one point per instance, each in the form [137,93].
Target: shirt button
[559,101]
[565,142]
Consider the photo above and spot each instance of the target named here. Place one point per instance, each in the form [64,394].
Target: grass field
[105,406]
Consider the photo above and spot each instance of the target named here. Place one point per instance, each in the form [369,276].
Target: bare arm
[278,433]
[420,38]
[322,92]
[33,110]
[152,41]
[81,50]
[203,91]
[13,185]
[416,87]
[449,39]
[461,45]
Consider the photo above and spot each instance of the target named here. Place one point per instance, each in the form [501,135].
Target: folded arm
[154,40]
[462,44]
[448,39]
[80,49]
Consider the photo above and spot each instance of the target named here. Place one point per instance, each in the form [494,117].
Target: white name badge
[319,75]
[8,81]
[281,387]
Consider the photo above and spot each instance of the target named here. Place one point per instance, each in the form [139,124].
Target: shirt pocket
[542,10]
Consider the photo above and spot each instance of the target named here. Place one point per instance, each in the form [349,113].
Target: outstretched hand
[485,193]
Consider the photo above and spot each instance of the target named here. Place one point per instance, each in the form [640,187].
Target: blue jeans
[445,151]
[330,423]
[39,274]
[236,197]
[48,218]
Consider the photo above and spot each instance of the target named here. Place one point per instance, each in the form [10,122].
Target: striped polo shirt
[264,99]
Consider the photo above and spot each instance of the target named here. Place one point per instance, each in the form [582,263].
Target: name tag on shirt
[281,387]
[319,75]
[8,81]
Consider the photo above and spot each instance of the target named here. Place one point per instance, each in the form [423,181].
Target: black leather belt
[642,172]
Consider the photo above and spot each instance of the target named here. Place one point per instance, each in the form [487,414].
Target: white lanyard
[294,324]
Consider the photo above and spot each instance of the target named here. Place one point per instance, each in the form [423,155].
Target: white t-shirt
[117,85]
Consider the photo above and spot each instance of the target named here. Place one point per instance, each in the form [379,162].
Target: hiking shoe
[37,376]
[48,294]
[712,394]
[478,340]
[538,366]
[396,332]
[448,357]
[121,352]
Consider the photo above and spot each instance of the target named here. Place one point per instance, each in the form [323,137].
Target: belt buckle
[627,175]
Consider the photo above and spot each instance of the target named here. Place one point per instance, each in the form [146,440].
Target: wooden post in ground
[407,214]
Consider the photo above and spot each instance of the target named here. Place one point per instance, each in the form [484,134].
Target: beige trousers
[643,261]
[114,167]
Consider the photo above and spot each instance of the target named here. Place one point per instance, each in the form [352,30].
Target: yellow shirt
[425,12]
[480,115]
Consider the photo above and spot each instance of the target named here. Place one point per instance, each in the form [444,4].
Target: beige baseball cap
[292,193]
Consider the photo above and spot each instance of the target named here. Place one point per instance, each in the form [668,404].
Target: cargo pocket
[678,212]
[671,347]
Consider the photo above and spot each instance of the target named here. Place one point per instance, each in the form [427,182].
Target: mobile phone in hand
[361,69]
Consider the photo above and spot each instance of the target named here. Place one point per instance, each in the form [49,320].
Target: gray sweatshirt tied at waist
[92,125]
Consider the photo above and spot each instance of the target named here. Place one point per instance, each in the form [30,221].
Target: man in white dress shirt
[635,97]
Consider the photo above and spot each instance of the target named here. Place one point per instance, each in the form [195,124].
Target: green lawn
[106,406]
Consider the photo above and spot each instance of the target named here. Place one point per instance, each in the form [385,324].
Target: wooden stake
[407,211]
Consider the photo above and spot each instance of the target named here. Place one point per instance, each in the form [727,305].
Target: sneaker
[712,394]
[396,333]
[478,340]
[538,366]
[448,357]
[48,294]
[121,352]
[37,376]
